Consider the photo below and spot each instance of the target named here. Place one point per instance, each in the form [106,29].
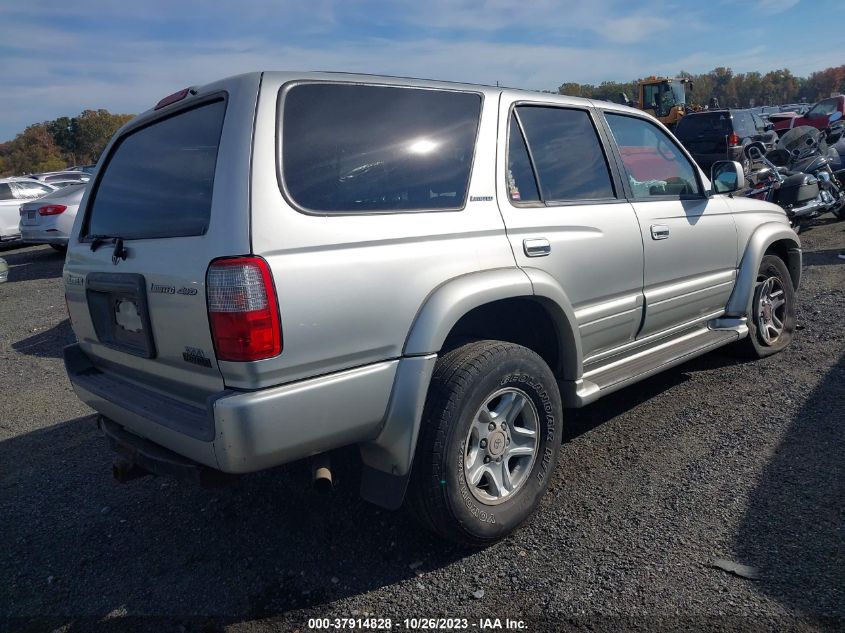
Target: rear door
[171,195]
[689,240]
[566,215]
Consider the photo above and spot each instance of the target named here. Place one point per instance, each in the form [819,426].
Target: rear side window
[158,180]
[522,185]
[567,154]
[744,124]
[355,148]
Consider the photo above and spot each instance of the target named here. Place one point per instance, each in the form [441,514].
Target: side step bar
[617,373]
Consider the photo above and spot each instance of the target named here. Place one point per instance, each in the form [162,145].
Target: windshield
[678,92]
[801,141]
[66,192]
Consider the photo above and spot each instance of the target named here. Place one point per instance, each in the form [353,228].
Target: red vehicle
[818,116]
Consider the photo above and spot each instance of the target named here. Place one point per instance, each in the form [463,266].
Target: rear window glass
[353,148]
[158,181]
[694,125]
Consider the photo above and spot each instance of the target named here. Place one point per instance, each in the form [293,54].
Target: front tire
[488,444]
[772,320]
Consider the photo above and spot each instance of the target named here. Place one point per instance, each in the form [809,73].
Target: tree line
[79,140]
[63,142]
[734,90]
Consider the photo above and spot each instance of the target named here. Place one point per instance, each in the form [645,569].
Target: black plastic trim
[173,414]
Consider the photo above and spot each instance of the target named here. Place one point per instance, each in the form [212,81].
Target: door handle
[536,247]
[659,232]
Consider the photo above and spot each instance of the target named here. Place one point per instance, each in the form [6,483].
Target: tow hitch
[138,457]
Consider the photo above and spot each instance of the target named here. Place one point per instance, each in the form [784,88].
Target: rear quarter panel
[350,286]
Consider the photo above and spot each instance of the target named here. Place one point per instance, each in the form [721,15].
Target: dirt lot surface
[716,459]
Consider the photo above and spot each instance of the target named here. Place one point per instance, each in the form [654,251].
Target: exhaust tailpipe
[321,472]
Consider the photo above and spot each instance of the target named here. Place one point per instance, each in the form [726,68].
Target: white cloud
[776,6]
[634,28]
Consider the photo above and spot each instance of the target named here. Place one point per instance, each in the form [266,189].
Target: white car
[13,193]
[49,220]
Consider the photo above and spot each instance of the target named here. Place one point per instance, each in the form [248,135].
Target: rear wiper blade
[98,240]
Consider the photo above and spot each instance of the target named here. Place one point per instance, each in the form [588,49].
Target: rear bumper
[39,235]
[243,431]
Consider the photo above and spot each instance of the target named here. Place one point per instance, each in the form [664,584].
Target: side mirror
[834,117]
[727,176]
[769,127]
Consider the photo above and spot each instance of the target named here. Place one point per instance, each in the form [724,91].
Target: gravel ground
[714,459]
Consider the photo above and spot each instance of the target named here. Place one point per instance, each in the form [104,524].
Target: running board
[618,373]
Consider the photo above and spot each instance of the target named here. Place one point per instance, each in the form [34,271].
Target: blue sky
[58,58]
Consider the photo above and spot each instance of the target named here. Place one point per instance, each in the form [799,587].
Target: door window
[566,152]
[522,184]
[655,166]
[6,191]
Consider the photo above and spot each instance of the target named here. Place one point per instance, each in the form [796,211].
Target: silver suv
[277,265]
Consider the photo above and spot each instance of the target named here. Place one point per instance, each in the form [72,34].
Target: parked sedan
[49,220]
[13,193]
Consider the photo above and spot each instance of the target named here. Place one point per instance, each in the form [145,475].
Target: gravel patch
[716,460]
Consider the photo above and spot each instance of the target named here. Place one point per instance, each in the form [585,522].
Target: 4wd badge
[196,356]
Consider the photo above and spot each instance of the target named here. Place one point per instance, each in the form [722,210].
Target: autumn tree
[33,150]
[92,130]
[62,142]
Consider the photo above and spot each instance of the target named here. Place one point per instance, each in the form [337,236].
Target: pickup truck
[818,116]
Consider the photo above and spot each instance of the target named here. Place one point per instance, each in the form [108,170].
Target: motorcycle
[803,174]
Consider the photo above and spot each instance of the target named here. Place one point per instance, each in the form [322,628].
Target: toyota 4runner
[277,265]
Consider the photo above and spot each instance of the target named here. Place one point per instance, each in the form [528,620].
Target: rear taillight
[733,140]
[52,209]
[243,310]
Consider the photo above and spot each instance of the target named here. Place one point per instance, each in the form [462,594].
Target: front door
[689,239]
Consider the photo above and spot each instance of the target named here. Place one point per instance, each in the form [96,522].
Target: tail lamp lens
[243,310]
[52,209]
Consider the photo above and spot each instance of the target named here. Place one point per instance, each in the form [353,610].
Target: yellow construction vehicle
[664,98]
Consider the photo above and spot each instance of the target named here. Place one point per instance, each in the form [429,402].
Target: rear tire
[488,443]
[772,320]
